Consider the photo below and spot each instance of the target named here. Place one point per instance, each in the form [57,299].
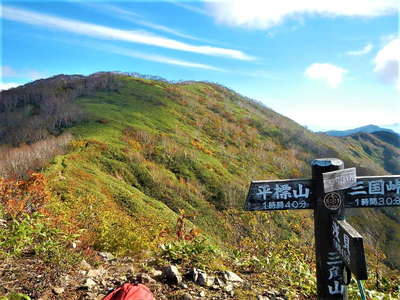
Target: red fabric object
[130,291]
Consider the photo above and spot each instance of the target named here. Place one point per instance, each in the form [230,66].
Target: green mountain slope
[148,152]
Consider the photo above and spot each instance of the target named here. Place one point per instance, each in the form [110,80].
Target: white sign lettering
[334,287]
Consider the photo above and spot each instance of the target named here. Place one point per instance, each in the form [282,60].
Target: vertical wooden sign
[327,207]
[350,245]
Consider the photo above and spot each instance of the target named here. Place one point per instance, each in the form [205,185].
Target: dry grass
[15,162]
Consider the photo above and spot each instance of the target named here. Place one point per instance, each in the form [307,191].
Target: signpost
[280,194]
[332,189]
[349,244]
[374,191]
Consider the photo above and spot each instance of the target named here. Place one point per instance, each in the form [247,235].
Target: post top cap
[324,162]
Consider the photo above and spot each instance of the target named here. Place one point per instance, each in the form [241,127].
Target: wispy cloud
[136,18]
[263,14]
[105,47]
[166,30]
[360,52]
[7,71]
[387,62]
[332,75]
[191,8]
[157,58]
[104,32]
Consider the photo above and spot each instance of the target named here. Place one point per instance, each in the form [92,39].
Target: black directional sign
[279,195]
[331,190]
[349,244]
[374,191]
[339,180]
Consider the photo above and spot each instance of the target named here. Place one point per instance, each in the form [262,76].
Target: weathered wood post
[338,246]
[327,207]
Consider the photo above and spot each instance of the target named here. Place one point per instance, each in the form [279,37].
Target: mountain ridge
[148,153]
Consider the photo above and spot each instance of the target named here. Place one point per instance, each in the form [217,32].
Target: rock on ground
[172,274]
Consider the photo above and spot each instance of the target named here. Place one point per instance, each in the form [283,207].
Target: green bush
[33,235]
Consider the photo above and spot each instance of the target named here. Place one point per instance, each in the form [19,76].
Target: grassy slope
[202,145]
[153,148]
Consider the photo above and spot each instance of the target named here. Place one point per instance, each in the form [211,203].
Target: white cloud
[263,14]
[332,75]
[8,85]
[362,51]
[104,32]
[135,18]
[157,58]
[387,63]
[100,46]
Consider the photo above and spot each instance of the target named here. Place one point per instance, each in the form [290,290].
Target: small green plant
[189,248]
[15,296]
[32,235]
[197,252]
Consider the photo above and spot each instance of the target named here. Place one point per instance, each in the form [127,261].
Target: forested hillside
[138,166]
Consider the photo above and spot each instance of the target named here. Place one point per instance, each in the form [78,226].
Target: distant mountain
[365,129]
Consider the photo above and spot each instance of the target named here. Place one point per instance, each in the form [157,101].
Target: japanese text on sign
[283,191]
[278,195]
[343,249]
[334,264]
[374,192]
[349,244]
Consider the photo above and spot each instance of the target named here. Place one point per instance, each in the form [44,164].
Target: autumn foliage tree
[20,197]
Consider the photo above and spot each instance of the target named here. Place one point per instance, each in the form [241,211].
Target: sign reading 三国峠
[374,191]
[331,190]
[349,244]
[279,194]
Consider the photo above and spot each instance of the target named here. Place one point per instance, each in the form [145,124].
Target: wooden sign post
[327,207]
[332,189]
[349,244]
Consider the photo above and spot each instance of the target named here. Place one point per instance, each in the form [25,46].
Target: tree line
[44,107]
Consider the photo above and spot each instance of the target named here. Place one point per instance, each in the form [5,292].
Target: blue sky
[325,64]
